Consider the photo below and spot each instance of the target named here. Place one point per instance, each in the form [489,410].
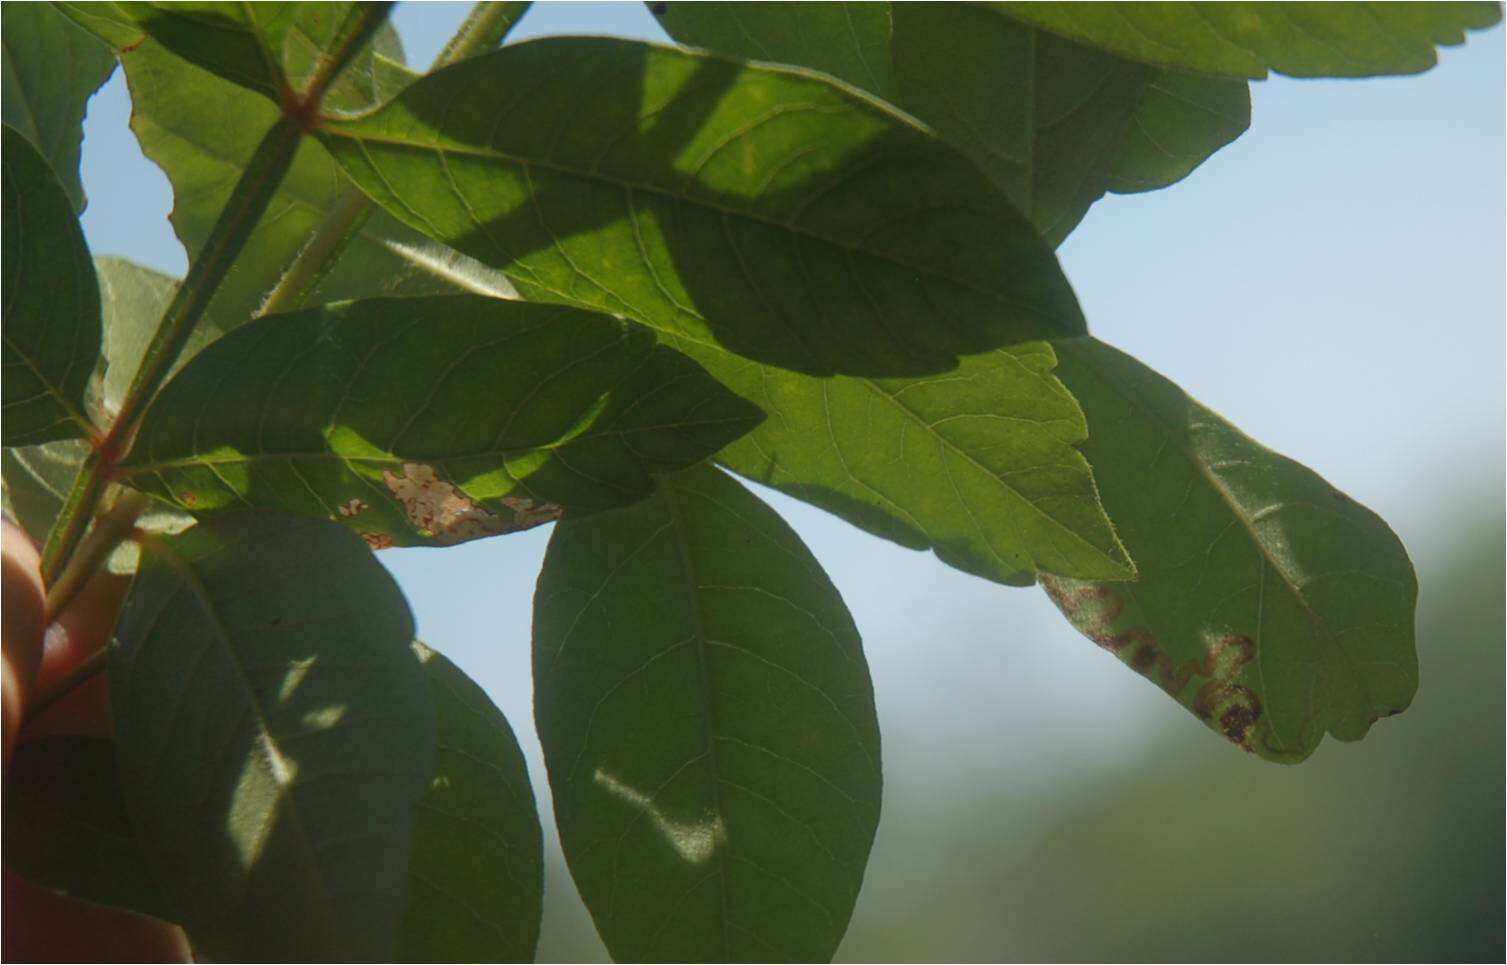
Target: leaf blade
[978,465]
[477,875]
[758,734]
[270,715]
[52,313]
[1248,39]
[52,68]
[430,421]
[713,227]
[1248,609]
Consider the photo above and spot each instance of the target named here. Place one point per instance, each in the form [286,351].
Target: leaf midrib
[698,633]
[184,570]
[334,130]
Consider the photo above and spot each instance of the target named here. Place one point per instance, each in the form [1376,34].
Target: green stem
[112,529]
[487,25]
[248,201]
[318,256]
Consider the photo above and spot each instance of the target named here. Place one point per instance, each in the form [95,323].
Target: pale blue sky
[1332,283]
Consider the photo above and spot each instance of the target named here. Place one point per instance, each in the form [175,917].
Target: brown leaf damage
[1220,701]
[441,512]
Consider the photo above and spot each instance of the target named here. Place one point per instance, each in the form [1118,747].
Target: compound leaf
[37,478]
[708,724]
[202,130]
[433,420]
[476,881]
[772,212]
[67,828]
[51,319]
[1269,603]
[274,731]
[52,68]
[275,49]
[1053,123]
[978,464]
[1248,39]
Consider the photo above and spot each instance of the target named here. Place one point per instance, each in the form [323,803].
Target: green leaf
[431,421]
[772,212]
[1054,124]
[274,732]
[476,881]
[67,829]
[51,69]
[105,20]
[202,130]
[51,315]
[978,464]
[1248,39]
[708,723]
[37,480]
[1180,121]
[1269,603]
[275,49]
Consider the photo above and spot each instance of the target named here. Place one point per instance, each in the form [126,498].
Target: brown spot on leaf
[377,541]
[437,509]
[187,498]
[352,507]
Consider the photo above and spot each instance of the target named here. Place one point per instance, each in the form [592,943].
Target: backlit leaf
[51,319]
[476,881]
[274,731]
[772,212]
[52,67]
[431,421]
[1054,124]
[978,464]
[708,723]
[1269,603]
[1248,39]
[275,49]
[202,130]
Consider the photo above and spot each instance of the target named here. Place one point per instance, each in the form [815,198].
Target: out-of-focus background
[1333,284]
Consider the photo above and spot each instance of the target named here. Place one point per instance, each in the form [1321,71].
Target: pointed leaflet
[51,316]
[274,733]
[430,421]
[275,49]
[768,211]
[66,826]
[476,882]
[202,130]
[1269,603]
[978,464]
[52,68]
[708,723]
[1248,39]
[1054,124]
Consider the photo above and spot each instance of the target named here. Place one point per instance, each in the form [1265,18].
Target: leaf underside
[1269,603]
[51,303]
[52,68]
[771,212]
[430,421]
[708,723]
[274,731]
[1249,39]
[476,881]
[1053,123]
